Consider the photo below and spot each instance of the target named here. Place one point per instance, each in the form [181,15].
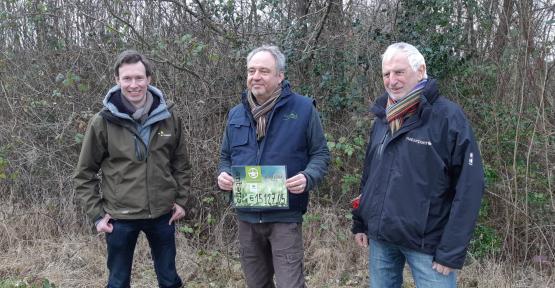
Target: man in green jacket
[137,142]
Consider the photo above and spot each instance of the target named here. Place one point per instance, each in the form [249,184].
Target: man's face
[398,76]
[133,82]
[262,76]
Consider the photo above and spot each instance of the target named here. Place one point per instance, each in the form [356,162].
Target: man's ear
[421,72]
[116,78]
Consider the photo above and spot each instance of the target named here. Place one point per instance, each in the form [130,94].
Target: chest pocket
[239,131]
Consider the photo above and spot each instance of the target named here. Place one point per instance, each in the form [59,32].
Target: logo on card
[254,174]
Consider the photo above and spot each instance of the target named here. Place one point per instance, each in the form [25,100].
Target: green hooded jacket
[139,180]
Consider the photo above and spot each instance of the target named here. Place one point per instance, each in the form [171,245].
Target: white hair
[413,55]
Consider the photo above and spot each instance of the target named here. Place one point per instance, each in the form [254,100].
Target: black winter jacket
[422,186]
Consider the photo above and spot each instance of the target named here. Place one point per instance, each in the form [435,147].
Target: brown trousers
[272,248]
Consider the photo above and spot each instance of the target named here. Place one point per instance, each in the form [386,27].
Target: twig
[141,39]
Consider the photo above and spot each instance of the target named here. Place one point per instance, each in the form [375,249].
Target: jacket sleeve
[467,182]
[318,152]
[225,154]
[85,179]
[181,166]
[358,222]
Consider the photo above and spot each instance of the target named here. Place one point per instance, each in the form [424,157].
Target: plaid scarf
[398,110]
[260,112]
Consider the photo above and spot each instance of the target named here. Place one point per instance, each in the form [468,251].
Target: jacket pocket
[239,131]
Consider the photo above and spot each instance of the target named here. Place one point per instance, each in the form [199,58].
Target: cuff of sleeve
[309,182]
[358,225]
[454,264]
[97,219]
[181,202]
[228,171]
[357,228]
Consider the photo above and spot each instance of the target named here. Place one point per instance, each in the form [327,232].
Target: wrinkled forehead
[397,62]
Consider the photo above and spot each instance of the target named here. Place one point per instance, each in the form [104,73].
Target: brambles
[495,58]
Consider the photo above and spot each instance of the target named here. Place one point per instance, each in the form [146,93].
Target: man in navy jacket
[273,126]
[422,181]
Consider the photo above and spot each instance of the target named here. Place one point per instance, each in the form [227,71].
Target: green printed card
[259,187]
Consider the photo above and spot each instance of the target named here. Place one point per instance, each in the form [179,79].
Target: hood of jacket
[159,113]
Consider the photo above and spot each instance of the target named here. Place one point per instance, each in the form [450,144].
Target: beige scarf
[260,112]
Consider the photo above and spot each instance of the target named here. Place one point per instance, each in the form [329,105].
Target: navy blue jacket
[294,138]
[422,186]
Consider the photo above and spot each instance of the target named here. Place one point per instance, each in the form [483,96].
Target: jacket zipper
[146,173]
[397,133]
[260,146]
[382,144]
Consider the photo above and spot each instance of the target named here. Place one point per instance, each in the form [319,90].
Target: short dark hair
[132,57]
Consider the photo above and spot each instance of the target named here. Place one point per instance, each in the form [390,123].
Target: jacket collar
[283,98]
[110,102]
[429,96]
[112,113]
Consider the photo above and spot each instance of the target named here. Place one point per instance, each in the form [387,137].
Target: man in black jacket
[422,182]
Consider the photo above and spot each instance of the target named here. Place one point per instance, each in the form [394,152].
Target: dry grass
[77,259]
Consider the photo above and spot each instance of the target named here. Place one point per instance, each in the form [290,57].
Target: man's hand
[178,213]
[361,239]
[441,269]
[225,181]
[296,184]
[104,225]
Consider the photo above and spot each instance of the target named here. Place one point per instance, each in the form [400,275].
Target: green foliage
[5,173]
[3,166]
[78,138]
[430,27]
[485,242]
[349,181]
[490,174]
[347,155]
[311,217]
[538,198]
[185,229]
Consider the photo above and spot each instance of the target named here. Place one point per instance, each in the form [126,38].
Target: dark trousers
[272,248]
[121,246]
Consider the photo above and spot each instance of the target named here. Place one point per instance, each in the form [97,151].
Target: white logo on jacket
[418,141]
[164,134]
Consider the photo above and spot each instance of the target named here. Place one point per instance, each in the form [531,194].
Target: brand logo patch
[292,116]
[471,159]
[418,141]
[164,134]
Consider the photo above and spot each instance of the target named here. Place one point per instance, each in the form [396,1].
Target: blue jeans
[386,263]
[121,245]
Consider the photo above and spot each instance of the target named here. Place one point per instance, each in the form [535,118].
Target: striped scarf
[398,110]
[260,112]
